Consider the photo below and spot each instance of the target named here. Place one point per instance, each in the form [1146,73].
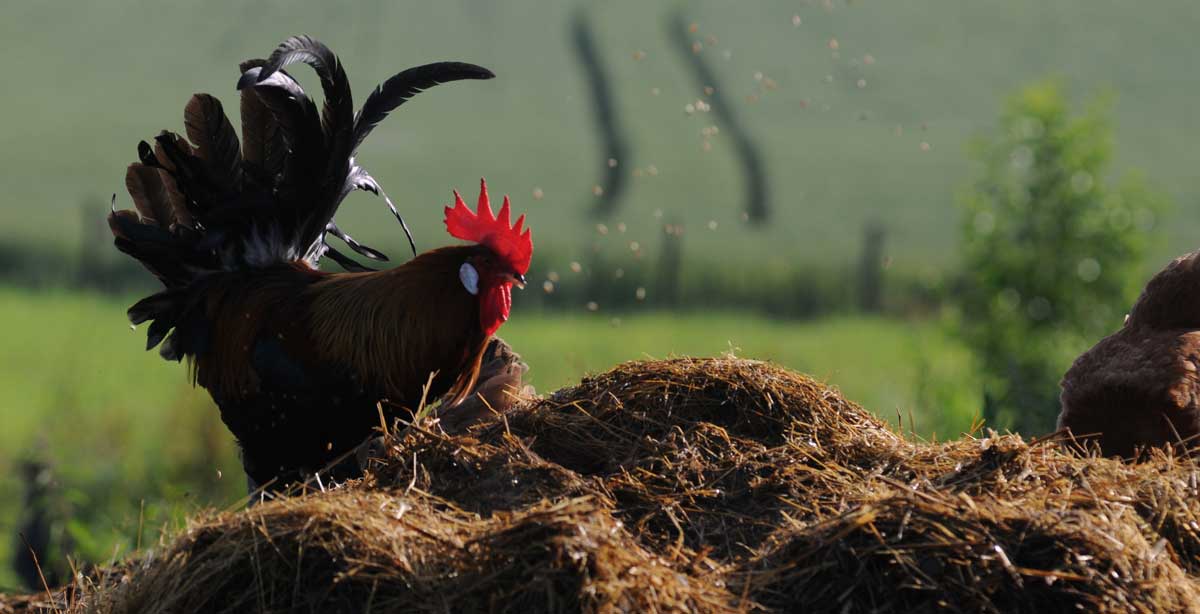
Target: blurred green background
[860,111]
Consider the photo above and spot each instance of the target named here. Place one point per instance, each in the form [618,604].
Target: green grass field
[121,426]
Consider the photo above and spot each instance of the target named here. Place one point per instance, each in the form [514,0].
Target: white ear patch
[469,277]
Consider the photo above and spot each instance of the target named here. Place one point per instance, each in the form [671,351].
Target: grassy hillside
[87,81]
[122,426]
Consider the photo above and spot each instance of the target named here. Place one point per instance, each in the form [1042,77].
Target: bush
[1050,250]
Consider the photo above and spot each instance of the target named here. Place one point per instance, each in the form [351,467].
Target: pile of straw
[692,485]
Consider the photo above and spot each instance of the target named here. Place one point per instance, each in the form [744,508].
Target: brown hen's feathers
[1140,386]
[1171,298]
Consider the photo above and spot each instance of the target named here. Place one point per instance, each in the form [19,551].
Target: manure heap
[689,485]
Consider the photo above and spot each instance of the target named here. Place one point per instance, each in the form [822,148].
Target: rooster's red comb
[485,228]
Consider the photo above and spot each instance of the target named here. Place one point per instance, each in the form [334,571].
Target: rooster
[304,364]
[1140,386]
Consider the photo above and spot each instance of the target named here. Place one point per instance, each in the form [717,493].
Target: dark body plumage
[297,375]
[297,359]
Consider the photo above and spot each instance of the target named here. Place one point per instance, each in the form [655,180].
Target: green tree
[1051,251]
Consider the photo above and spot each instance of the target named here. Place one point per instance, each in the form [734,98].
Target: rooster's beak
[518,280]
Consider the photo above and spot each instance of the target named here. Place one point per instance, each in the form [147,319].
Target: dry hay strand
[697,485]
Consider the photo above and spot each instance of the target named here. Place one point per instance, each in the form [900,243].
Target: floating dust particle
[758,76]
[612,163]
[796,21]
[899,130]
[697,47]
[727,54]
[619,273]
[694,27]
[654,91]
[597,190]
[827,78]
[703,106]
[833,44]
[552,276]
[615,322]
[635,246]
[925,146]
[804,103]
[712,224]
[602,229]
[710,39]
[770,83]
[576,267]
[689,108]
[745,216]
[639,55]
[640,294]
[621,227]
[548,286]
[653,170]
[868,59]
[219,474]
[706,146]
[862,83]
[751,98]
[538,194]
[637,172]
[658,213]
[708,90]
[593,306]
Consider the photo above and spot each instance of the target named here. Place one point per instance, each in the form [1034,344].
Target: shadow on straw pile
[694,485]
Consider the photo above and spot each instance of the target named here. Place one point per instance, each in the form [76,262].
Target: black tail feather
[263,147]
[406,84]
[215,141]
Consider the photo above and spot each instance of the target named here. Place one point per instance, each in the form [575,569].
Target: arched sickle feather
[404,85]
